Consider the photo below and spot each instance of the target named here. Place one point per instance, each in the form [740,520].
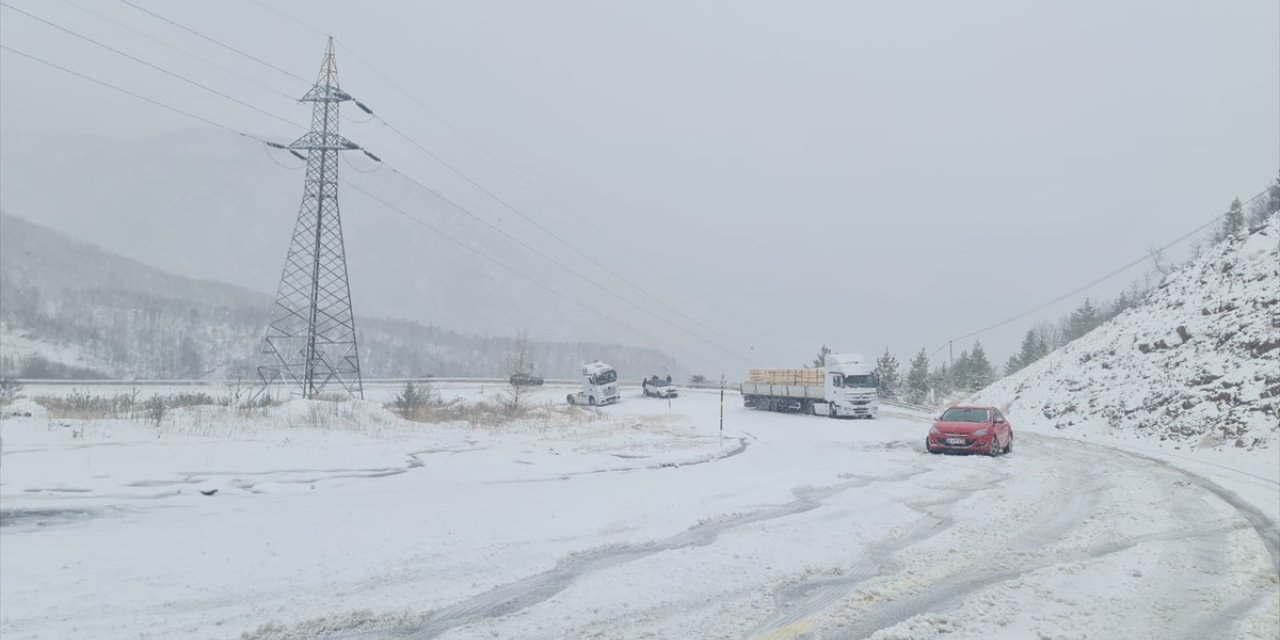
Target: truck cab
[849,387]
[599,385]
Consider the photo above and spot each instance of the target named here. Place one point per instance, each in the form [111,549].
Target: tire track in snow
[1065,507]
[796,604]
[522,594]
[1036,551]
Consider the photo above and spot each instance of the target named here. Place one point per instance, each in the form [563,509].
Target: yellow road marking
[789,631]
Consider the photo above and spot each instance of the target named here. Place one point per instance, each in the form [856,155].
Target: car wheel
[591,400]
[994,449]
[1008,446]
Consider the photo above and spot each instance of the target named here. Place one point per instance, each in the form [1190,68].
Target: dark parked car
[525,380]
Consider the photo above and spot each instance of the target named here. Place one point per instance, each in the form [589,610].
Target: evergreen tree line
[133,334]
[969,372]
[972,370]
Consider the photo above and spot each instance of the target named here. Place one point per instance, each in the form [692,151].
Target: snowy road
[795,527]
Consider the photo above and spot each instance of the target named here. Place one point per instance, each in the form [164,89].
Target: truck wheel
[570,399]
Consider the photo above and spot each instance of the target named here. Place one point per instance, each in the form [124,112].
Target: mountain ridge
[141,321]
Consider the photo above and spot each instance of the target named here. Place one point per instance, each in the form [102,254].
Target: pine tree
[887,375]
[1033,348]
[959,380]
[981,373]
[1013,365]
[1081,321]
[821,360]
[1233,222]
[918,379]
[1266,206]
[1273,197]
[940,381]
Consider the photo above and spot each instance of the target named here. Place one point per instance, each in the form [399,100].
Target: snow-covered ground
[341,521]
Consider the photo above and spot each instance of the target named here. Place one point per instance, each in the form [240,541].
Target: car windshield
[659,383]
[860,382]
[965,415]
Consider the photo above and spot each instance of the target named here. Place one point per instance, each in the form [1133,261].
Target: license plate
[955,440]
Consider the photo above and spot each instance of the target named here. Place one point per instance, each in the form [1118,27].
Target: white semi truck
[844,388]
[599,385]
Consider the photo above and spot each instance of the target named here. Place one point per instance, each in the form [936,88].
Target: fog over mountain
[72,310]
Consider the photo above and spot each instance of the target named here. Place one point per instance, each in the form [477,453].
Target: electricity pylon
[311,340]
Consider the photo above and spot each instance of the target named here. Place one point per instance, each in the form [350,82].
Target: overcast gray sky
[790,173]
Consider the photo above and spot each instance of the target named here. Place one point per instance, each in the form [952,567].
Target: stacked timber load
[790,377]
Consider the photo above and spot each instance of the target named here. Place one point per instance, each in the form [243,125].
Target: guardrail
[116,382]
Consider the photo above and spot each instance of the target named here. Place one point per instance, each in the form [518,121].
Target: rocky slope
[1198,364]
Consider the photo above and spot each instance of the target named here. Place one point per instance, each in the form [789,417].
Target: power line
[504,233]
[289,17]
[496,160]
[143,34]
[131,93]
[513,172]
[1092,283]
[516,272]
[148,64]
[215,41]
[544,230]
[359,189]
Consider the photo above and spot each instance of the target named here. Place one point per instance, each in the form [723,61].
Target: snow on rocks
[1197,366]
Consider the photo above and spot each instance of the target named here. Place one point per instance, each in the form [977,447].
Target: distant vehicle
[599,385]
[656,387]
[971,430]
[525,380]
[845,387]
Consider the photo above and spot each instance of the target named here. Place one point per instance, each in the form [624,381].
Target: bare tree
[155,409]
[1049,334]
[1157,258]
[519,361]
[235,390]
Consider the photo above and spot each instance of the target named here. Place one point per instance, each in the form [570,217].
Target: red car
[971,430]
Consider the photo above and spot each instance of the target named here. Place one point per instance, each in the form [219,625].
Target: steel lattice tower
[311,340]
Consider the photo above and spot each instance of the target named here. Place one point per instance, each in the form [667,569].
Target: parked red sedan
[971,430]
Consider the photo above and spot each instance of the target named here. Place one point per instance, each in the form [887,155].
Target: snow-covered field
[338,520]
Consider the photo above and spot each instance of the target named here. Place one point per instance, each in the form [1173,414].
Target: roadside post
[722,411]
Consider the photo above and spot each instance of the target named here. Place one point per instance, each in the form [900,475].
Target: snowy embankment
[339,521]
[1191,378]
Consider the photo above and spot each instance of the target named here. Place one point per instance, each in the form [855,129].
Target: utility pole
[310,342]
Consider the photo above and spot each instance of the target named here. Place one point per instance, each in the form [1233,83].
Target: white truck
[599,385]
[844,388]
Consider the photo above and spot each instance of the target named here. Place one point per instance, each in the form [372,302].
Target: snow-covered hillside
[1197,366]
[73,310]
